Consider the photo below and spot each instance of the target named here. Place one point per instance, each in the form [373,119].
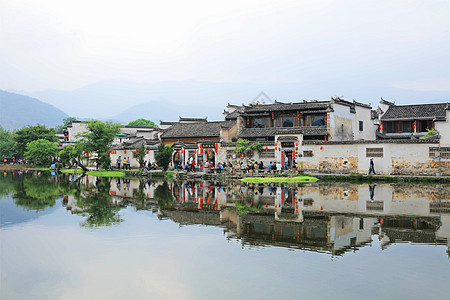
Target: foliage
[97,207]
[6,143]
[71,153]
[256,147]
[430,132]
[36,193]
[243,209]
[163,156]
[279,179]
[59,128]
[244,146]
[29,134]
[41,151]
[163,195]
[72,171]
[140,153]
[143,123]
[106,173]
[99,139]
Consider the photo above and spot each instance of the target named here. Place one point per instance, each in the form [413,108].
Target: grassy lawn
[301,179]
[72,171]
[106,173]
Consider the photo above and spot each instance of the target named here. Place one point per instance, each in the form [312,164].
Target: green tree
[29,134]
[140,153]
[72,155]
[98,139]
[163,156]
[98,208]
[6,143]
[36,192]
[163,195]
[143,123]
[65,121]
[41,151]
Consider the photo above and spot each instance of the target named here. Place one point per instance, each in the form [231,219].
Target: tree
[163,195]
[41,151]
[29,134]
[98,139]
[140,153]
[72,154]
[163,156]
[6,143]
[143,123]
[243,146]
[65,121]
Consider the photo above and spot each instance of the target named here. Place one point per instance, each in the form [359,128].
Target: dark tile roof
[418,111]
[233,115]
[268,132]
[188,130]
[193,119]
[278,106]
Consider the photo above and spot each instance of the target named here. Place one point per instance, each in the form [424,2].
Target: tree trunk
[81,165]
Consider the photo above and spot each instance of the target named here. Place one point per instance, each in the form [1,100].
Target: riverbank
[240,175]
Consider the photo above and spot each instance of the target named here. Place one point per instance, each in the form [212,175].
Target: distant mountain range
[123,101]
[17,111]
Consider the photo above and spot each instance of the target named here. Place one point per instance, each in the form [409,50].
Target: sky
[65,45]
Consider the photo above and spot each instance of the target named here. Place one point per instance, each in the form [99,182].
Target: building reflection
[331,218]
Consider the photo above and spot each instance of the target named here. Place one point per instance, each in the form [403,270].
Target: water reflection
[331,218]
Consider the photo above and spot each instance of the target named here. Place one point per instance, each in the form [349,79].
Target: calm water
[72,237]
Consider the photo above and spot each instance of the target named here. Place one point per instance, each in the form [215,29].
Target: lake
[82,237]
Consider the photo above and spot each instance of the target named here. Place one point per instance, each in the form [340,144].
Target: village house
[196,138]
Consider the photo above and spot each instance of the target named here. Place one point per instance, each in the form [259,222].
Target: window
[374,152]
[308,153]
[308,120]
[288,121]
[406,126]
[389,127]
[318,120]
[258,123]
[361,125]
[444,153]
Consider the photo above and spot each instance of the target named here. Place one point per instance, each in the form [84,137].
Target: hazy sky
[68,44]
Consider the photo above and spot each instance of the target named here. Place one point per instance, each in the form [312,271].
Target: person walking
[372,167]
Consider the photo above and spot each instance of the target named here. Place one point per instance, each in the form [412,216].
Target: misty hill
[17,111]
[163,110]
[109,99]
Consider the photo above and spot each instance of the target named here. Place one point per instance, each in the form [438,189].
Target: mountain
[17,111]
[122,100]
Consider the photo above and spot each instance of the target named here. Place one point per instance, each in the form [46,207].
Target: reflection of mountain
[11,214]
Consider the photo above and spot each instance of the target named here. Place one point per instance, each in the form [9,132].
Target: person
[211,167]
[124,162]
[372,166]
[261,165]
[128,163]
[286,163]
[119,161]
[220,167]
[294,164]
[269,166]
[372,192]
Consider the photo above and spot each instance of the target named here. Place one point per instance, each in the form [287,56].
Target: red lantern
[209,151]
[321,148]
[298,115]
[148,152]
[273,115]
[266,148]
[125,151]
[195,151]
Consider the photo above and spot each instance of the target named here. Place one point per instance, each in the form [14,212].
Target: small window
[288,121]
[258,123]
[406,126]
[318,121]
[361,125]
[308,153]
[389,127]
[374,152]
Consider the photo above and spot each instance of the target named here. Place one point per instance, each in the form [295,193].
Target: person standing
[128,163]
[286,163]
[124,162]
[119,161]
[372,166]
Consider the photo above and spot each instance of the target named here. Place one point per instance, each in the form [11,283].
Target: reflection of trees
[36,193]
[98,208]
[6,184]
[163,195]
